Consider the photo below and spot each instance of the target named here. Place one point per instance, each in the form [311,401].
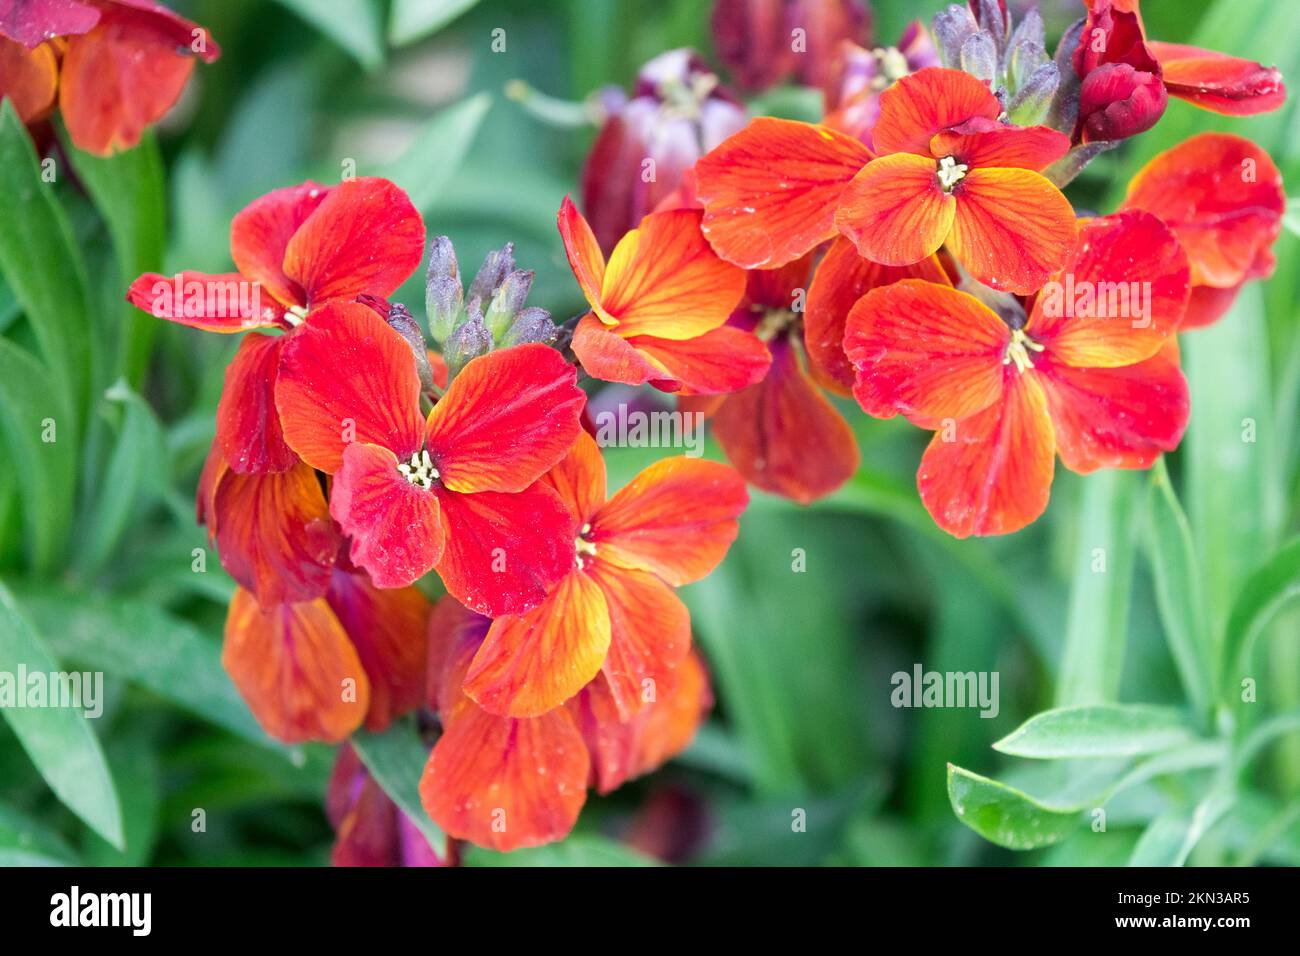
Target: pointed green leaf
[1004,815]
[1113,730]
[433,157]
[1265,592]
[355,25]
[411,20]
[396,760]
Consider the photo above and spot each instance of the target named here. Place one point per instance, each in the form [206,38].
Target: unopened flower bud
[443,296]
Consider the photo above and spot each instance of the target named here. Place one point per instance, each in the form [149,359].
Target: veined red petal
[1115,417]
[260,234]
[579,479]
[396,529]
[275,535]
[215,303]
[991,473]
[505,783]
[388,628]
[986,143]
[926,351]
[534,662]
[650,633]
[248,425]
[723,360]
[346,376]
[507,417]
[783,434]
[770,191]
[365,236]
[895,212]
[676,519]
[921,104]
[583,251]
[1206,305]
[1222,195]
[33,22]
[843,277]
[1218,82]
[1013,229]
[504,551]
[662,279]
[295,668]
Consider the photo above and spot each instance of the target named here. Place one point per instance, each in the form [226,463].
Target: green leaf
[412,20]
[27,842]
[147,646]
[1180,590]
[1172,836]
[136,475]
[1004,815]
[45,471]
[58,740]
[1097,625]
[432,159]
[129,192]
[1097,731]
[396,760]
[41,265]
[575,851]
[355,25]
[1265,592]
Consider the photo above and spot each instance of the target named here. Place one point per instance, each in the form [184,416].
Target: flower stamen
[951,172]
[582,546]
[1018,350]
[419,471]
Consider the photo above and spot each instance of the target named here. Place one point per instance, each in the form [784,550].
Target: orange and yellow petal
[987,143]
[784,435]
[770,191]
[534,662]
[676,519]
[506,418]
[295,668]
[918,106]
[895,211]
[841,279]
[723,360]
[1123,295]
[1116,417]
[28,78]
[664,280]
[579,479]
[926,351]
[991,473]
[582,250]
[1013,229]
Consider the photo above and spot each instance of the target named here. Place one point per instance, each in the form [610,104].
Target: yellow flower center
[419,471]
[582,546]
[1018,350]
[951,172]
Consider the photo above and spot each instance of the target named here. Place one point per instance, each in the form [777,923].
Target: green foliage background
[97,528]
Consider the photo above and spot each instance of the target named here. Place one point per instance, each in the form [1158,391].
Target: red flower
[1089,376]
[659,307]
[456,491]
[119,65]
[303,246]
[370,830]
[1222,196]
[510,782]
[614,612]
[948,173]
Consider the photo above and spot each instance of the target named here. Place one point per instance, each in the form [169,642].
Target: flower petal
[985,143]
[260,234]
[676,519]
[991,473]
[650,633]
[33,22]
[504,551]
[723,360]
[215,303]
[365,236]
[1218,82]
[29,78]
[895,212]
[1013,229]
[1116,417]
[1119,300]
[1223,197]
[507,417]
[534,662]
[784,435]
[926,351]
[583,251]
[396,530]
[345,376]
[579,479]
[505,783]
[841,279]
[921,104]
[248,425]
[770,191]
[388,629]
[275,535]
[295,668]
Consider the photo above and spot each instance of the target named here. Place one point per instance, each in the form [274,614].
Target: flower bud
[443,297]
[468,341]
[1116,101]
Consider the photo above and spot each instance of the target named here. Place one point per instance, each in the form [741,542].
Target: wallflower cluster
[914,250]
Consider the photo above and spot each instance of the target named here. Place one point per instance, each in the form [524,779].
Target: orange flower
[1096,383]
[1222,196]
[615,611]
[508,782]
[659,307]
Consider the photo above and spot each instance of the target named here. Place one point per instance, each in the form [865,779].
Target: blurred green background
[97,532]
